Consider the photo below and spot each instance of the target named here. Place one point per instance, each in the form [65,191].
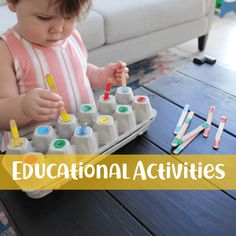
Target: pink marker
[209,120]
[219,132]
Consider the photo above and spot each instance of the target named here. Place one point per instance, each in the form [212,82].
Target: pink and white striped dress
[66,63]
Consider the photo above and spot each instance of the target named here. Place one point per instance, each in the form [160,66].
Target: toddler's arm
[38,104]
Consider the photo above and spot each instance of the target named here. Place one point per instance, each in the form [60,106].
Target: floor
[221,42]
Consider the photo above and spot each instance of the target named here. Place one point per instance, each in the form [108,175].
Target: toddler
[45,41]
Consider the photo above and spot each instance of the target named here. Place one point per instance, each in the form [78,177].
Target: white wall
[7,18]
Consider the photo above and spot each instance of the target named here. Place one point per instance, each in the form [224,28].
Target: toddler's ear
[11,5]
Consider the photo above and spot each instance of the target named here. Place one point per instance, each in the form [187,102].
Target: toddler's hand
[41,104]
[115,71]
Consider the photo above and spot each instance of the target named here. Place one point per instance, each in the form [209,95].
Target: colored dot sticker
[43,130]
[123,109]
[104,120]
[125,90]
[141,99]
[86,108]
[82,131]
[30,159]
[59,143]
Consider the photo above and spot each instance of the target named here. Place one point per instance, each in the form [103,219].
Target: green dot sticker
[60,143]
[86,108]
[123,109]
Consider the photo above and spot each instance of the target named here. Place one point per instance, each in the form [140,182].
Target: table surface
[149,212]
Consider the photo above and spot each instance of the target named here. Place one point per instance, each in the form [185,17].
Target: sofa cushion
[91,28]
[126,19]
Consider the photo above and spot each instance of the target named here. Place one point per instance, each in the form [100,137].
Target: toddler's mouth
[53,40]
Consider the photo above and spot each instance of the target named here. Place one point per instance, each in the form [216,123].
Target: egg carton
[100,129]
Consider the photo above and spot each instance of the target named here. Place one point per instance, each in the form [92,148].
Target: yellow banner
[184,172]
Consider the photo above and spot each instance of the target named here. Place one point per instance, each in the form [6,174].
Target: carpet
[6,226]
[140,73]
[150,69]
[154,67]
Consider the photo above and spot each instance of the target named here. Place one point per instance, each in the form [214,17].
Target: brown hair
[68,7]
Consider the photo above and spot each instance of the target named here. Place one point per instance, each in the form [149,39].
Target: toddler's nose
[57,27]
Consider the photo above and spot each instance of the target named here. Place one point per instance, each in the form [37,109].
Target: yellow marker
[104,120]
[16,140]
[123,80]
[51,83]
[65,117]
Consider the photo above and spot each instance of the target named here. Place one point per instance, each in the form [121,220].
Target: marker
[192,133]
[181,119]
[65,117]
[183,129]
[16,140]
[209,120]
[123,80]
[219,132]
[108,90]
[51,83]
[181,147]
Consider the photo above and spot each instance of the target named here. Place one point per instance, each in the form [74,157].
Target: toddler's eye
[44,18]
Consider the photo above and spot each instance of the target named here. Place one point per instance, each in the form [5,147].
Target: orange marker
[108,90]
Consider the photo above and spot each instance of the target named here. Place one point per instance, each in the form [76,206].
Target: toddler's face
[41,24]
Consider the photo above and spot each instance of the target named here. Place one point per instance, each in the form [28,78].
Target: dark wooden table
[149,212]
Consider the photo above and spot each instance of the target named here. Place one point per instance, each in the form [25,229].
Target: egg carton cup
[124,95]
[108,106]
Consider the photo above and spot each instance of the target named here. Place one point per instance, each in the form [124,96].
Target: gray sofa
[132,30]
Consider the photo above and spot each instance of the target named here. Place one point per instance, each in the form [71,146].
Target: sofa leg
[202,42]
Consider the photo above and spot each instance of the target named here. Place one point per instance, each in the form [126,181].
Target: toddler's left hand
[115,71]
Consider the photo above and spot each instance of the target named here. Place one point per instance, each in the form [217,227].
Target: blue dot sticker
[43,130]
[125,90]
[82,131]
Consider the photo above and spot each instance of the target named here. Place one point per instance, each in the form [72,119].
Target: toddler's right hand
[41,104]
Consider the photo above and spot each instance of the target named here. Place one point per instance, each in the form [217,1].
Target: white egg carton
[97,130]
